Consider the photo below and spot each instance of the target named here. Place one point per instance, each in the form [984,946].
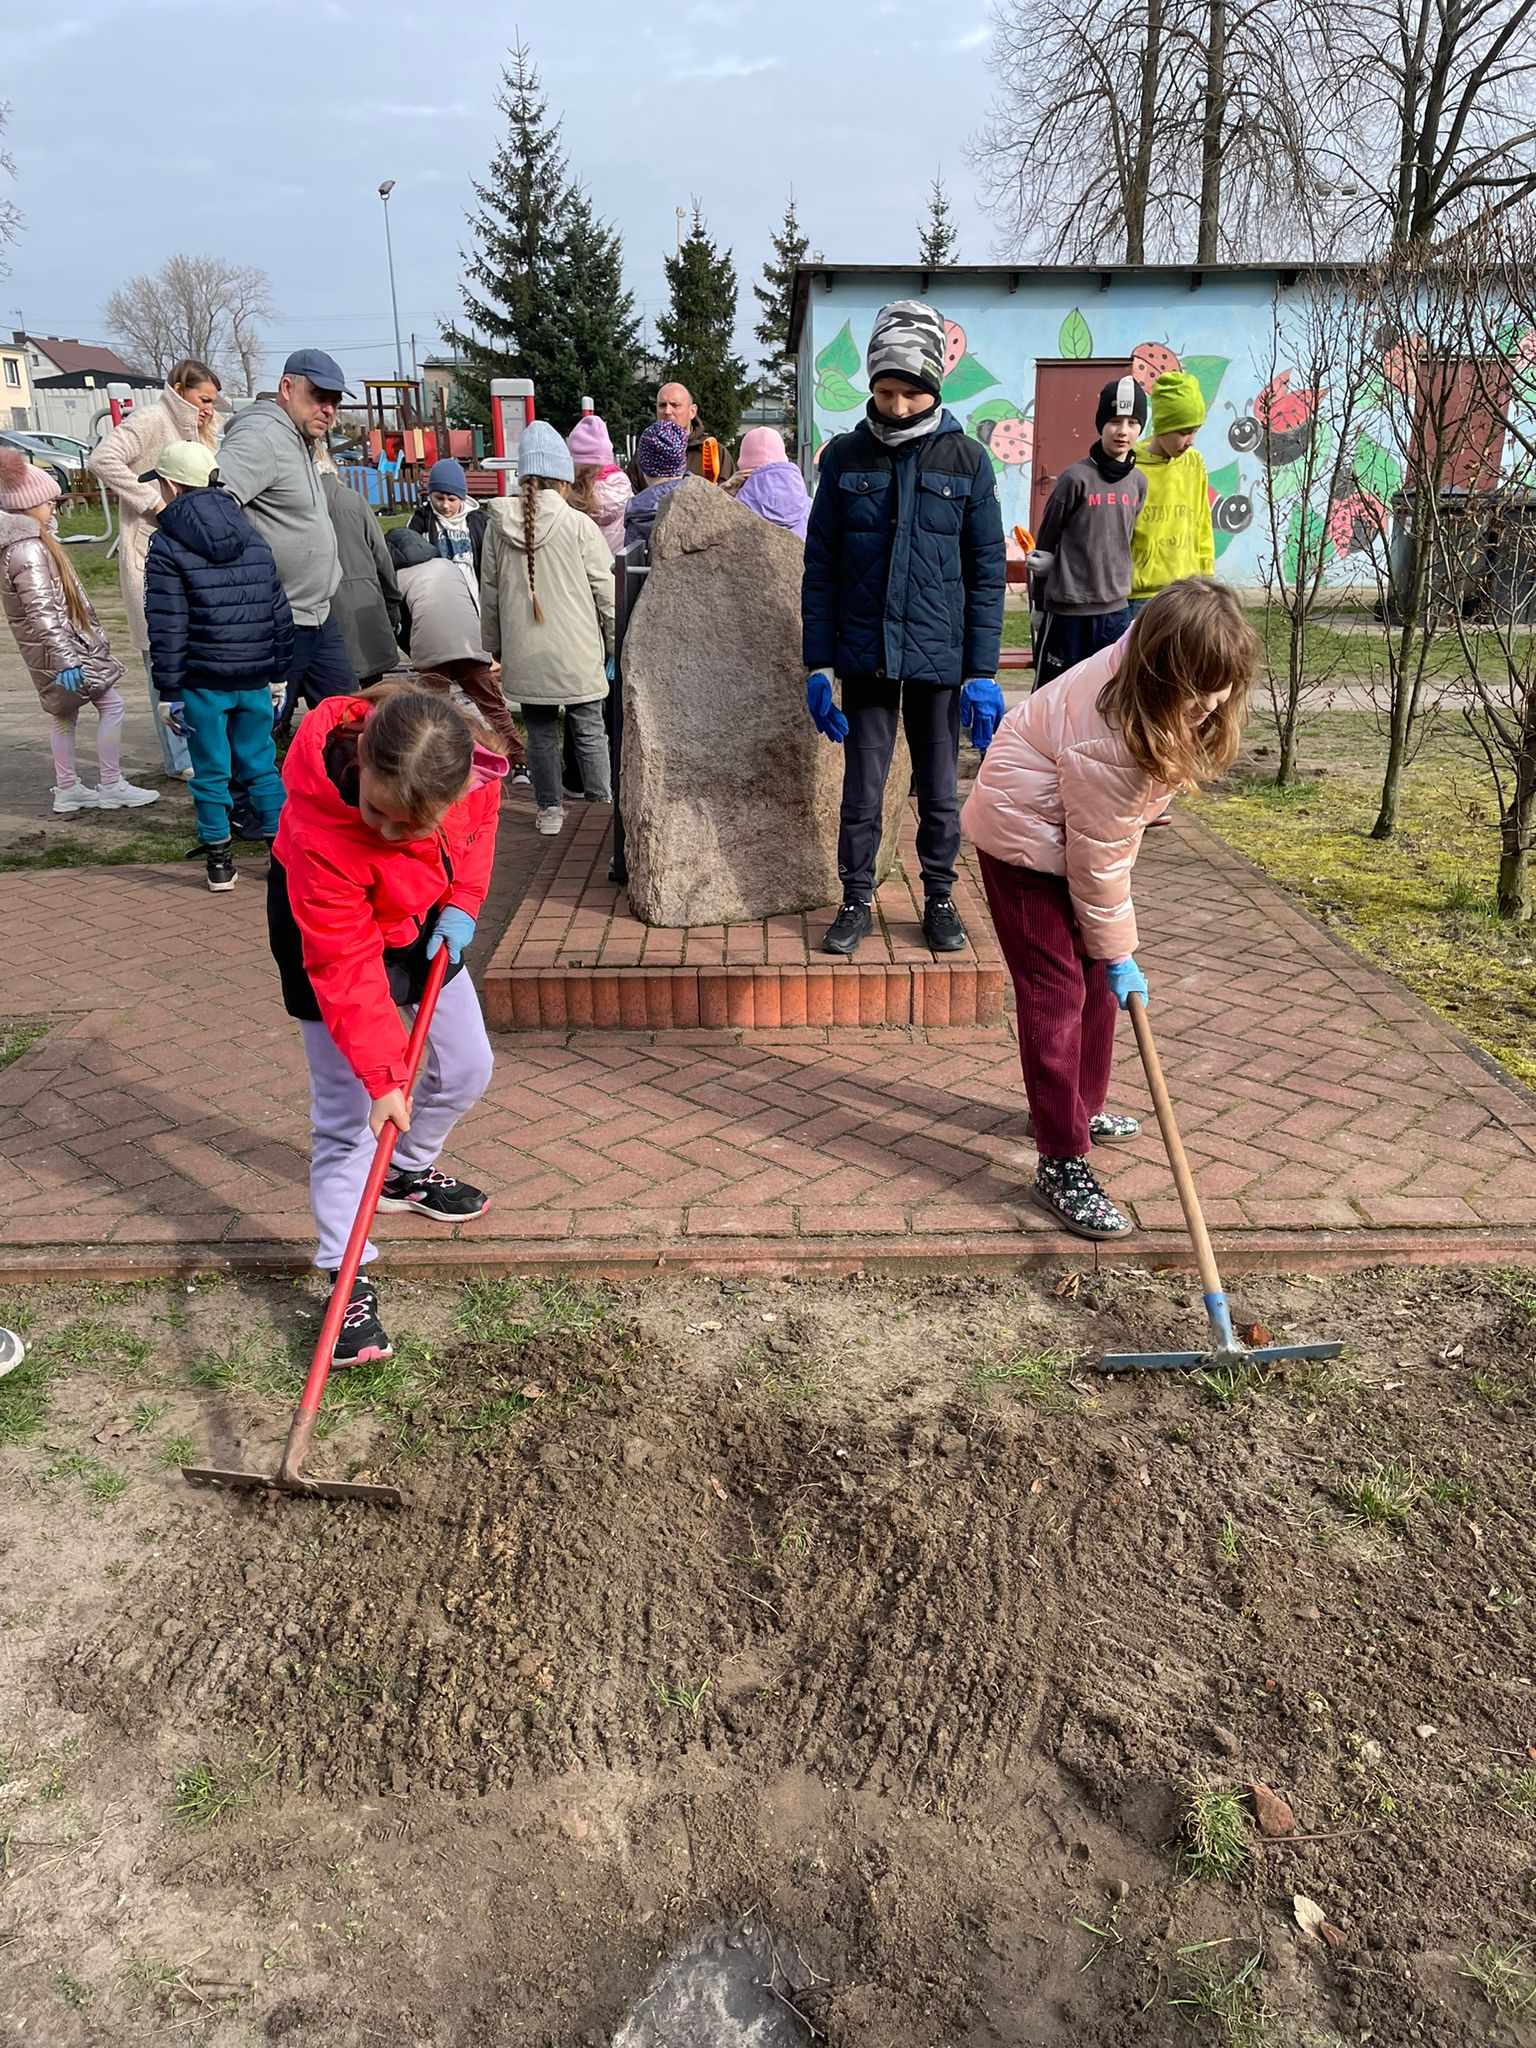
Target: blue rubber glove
[70,678]
[825,716]
[608,668]
[1126,980]
[454,929]
[173,716]
[981,711]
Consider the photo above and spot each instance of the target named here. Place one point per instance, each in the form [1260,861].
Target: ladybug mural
[1280,425]
[1007,434]
[954,346]
[1356,522]
[1151,360]
[1233,514]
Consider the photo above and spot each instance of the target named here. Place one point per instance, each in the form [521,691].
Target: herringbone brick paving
[166,1108]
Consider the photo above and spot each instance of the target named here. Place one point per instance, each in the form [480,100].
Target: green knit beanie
[1178,405]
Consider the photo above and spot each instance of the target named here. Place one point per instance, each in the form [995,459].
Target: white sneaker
[185,774]
[124,795]
[549,822]
[12,1351]
[78,797]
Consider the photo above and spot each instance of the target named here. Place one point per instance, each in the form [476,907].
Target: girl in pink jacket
[602,490]
[1068,786]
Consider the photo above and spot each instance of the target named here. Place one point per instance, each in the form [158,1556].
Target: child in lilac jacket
[769,484]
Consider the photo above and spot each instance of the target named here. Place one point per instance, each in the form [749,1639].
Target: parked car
[65,462]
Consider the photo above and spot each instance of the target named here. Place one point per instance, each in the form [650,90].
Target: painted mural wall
[1260,417]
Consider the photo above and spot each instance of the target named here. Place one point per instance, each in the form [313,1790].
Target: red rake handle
[341,1295]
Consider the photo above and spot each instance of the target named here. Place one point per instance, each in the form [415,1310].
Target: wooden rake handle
[1183,1179]
[303,1425]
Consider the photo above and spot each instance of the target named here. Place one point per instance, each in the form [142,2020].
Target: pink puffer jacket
[1059,792]
[612,490]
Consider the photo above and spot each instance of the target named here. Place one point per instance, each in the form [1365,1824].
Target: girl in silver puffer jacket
[61,640]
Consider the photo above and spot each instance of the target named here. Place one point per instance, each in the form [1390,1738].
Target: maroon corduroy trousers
[1066,1009]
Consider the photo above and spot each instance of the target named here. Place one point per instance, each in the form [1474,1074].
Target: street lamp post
[385,189]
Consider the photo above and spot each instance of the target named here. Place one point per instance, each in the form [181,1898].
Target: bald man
[675,402]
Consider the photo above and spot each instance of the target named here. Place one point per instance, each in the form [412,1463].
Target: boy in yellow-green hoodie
[1172,537]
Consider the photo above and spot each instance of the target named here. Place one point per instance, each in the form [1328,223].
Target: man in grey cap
[267,463]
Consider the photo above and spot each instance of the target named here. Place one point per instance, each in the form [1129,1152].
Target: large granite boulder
[730,795]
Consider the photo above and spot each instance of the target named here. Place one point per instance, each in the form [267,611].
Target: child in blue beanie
[451,528]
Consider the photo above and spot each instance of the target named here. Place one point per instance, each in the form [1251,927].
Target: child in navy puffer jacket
[220,635]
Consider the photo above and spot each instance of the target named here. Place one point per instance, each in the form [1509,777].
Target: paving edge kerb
[994,1255]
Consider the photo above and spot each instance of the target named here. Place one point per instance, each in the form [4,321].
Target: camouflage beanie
[907,340]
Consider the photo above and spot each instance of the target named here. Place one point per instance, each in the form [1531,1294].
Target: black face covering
[1112,471]
[896,433]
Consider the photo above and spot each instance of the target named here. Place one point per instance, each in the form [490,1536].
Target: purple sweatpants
[455,1073]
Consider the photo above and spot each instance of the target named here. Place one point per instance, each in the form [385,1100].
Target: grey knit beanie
[541,451]
[907,340]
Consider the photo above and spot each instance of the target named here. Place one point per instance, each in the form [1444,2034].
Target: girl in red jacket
[383,856]
[1068,786]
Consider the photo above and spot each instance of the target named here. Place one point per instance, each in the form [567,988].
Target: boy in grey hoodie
[267,464]
[1081,567]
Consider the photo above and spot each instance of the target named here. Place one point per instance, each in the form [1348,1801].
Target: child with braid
[547,613]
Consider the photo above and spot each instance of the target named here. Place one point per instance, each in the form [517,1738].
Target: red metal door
[1066,399]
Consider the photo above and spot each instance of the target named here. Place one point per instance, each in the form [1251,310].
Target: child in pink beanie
[601,490]
[768,483]
[61,640]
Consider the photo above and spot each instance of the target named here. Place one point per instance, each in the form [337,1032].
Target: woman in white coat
[184,411]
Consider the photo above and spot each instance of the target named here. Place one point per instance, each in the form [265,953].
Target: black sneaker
[618,871]
[1104,1129]
[363,1336]
[520,778]
[942,927]
[1068,1190]
[222,873]
[852,924]
[434,1194]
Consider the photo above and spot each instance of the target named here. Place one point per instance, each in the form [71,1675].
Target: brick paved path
[1322,1106]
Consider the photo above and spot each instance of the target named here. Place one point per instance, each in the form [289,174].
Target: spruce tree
[776,297]
[599,327]
[511,323]
[697,329]
[939,237]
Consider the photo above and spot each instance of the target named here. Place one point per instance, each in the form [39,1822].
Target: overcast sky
[261,134]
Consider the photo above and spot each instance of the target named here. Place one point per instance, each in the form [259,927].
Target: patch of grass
[1497,1391]
[145,1415]
[1383,1497]
[24,1401]
[1227,1546]
[1215,1843]
[511,1311]
[1230,2000]
[19,1035]
[205,1793]
[682,1699]
[1450,1493]
[1504,1975]
[95,1343]
[175,1452]
[149,845]
[254,1365]
[1224,1386]
[1039,1377]
[1416,903]
[1517,1792]
[75,1994]
[99,1482]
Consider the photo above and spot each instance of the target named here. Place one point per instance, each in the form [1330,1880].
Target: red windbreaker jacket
[353,895]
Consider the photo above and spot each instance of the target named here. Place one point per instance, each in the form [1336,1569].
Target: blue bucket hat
[447,478]
[541,451]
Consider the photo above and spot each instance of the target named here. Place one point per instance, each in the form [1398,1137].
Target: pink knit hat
[759,447]
[22,484]
[589,443]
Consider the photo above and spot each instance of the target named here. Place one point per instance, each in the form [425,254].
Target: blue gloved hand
[981,711]
[70,678]
[608,668]
[173,716]
[825,716]
[1126,980]
[454,929]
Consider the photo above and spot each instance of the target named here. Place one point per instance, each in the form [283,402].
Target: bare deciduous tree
[200,306]
[1159,127]
[10,212]
[1440,97]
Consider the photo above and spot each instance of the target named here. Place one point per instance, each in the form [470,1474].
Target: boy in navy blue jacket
[903,599]
[220,634]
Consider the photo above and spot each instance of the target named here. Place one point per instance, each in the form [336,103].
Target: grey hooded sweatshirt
[267,466]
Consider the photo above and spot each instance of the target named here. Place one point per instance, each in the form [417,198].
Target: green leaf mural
[841,353]
[1207,372]
[1373,390]
[1305,524]
[966,379]
[1075,340]
[835,394]
[1224,481]
[1376,468]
